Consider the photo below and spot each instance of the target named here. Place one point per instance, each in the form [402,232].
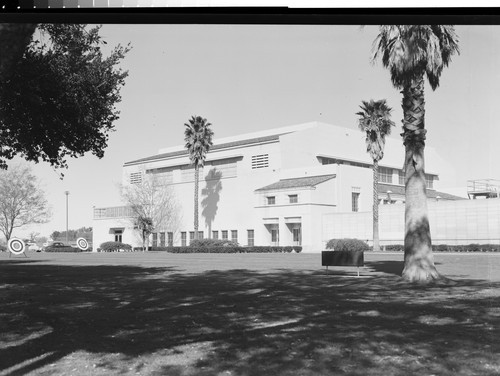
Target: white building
[276,187]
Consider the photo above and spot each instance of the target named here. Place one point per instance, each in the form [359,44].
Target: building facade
[276,187]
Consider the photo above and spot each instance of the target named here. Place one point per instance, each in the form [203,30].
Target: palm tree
[198,138]
[411,52]
[375,120]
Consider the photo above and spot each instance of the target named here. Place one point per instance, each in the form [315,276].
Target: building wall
[232,203]
[451,222]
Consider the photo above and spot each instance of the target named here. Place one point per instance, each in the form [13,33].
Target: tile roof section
[400,190]
[180,153]
[308,181]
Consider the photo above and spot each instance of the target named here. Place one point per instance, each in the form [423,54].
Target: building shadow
[211,197]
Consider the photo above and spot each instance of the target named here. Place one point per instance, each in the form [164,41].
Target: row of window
[385,174]
[211,171]
[159,239]
[292,199]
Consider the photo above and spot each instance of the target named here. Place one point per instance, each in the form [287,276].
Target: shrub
[66,249]
[451,248]
[212,243]
[229,249]
[115,247]
[347,245]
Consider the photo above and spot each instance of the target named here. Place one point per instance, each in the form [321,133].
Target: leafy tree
[411,52]
[22,201]
[55,235]
[57,93]
[198,138]
[375,121]
[151,200]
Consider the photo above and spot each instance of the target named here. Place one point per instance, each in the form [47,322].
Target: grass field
[245,314]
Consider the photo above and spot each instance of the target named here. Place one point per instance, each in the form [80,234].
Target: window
[135,178]
[234,236]
[191,236]
[260,161]
[215,234]
[183,238]
[223,168]
[355,201]
[164,175]
[224,235]
[250,238]
[155,239]
[170,239]
[187,173]
[162,239]
[271,200]
[293,199]
[296,235]
[385,175]
[200,234]
[401,175]
[118,236]
[429,181]
[275,236]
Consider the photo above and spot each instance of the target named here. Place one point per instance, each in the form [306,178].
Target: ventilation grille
[136,178]
[260,161]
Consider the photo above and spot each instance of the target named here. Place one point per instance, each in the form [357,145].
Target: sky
[246,78]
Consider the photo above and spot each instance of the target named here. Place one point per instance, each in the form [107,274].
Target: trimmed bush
[114,247]
[450,248]
[347,245]
[66,249]
[212,243]
[228,249]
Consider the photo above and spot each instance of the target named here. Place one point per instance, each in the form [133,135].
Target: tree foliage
[22,201]
[375,120]
[57,99]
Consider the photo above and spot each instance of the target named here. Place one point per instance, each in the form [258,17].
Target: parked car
[54,245]
[34,247]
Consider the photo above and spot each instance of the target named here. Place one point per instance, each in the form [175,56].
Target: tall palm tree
[411,52]
[198,138]
[375,121]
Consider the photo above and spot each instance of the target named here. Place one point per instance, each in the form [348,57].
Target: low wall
[451,222]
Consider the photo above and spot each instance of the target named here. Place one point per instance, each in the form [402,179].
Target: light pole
[67,194]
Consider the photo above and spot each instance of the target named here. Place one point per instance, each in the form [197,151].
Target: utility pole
[67,194]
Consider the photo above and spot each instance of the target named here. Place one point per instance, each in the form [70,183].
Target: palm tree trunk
[376,245]
[418,259]
[196,181]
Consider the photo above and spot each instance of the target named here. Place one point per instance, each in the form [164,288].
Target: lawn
[245,314]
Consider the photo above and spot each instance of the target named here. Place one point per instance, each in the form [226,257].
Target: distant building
[276,187]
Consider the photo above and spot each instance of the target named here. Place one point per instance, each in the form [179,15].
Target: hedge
[450,248]
[347,245]
[114,247]
[66,249]
[228,249]
[212,243]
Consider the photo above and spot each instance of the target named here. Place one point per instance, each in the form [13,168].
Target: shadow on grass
[124,319]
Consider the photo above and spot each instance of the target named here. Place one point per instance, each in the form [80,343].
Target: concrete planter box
[343,258]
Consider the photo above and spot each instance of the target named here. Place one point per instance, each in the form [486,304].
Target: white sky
[246,78]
